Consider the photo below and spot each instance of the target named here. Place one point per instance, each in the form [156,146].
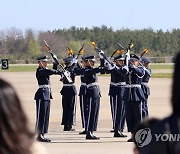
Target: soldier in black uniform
[42,97]
[68,93]
[116,91]
[92,96]
[145,86]
[133,95]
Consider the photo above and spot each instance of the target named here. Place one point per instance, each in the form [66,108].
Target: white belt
[118,83]
[144,83]
[133,86]
[68,85]
[44,86]
[83,84]
[92,84]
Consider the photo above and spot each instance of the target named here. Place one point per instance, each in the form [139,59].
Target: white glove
[74,60]
[111,67]
[101,54]
[148,72]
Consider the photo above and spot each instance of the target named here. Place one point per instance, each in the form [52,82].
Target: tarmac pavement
[71,142]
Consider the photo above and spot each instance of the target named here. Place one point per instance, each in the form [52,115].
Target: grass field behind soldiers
[23,79]
[160,70]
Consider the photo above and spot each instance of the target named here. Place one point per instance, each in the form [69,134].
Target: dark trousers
[42,116]
[84,109]
[118,112]
[92,113]
[145,112]
[133,114]
[146,91]
[69,110]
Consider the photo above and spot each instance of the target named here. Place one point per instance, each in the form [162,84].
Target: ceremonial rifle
[116,52]
[70,52]
[80,52]
[65,73]
[100,51]
[127,52]
[144,51]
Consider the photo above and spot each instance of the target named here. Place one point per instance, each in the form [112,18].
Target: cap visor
[45,60]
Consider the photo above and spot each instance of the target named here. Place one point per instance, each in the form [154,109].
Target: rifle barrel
[121,46]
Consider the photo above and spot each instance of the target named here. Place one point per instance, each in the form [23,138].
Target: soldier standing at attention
[145,86]
[69,93]
[82,93]
[92,95]
[42,97]
[133,95]
[116,91]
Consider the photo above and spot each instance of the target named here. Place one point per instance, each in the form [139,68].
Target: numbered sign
[4,64]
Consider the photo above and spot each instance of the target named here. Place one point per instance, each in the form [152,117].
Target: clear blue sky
[58,14]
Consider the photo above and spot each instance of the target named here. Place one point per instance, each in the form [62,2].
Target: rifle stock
[145,51]
[115,52]
[70,52]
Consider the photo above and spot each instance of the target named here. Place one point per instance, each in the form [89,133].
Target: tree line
[16,45]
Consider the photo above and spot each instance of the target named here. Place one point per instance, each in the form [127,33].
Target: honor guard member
[92,96]
[116,92]
[42,97]
[82,93]
[145,86]
[68,93]
[133,95]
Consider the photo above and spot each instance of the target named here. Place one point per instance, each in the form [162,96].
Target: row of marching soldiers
[128,92]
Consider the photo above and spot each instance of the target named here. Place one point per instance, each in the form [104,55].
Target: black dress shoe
[96,138]
[47,140]
[68,128]
[71,129]
[41,138]
[90,136]
[82,133]
[131,140]
[65,128]
[119,134]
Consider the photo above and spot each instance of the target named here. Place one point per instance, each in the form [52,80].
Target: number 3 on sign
[5,64]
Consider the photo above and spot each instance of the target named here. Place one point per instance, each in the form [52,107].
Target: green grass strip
[162,75]
[161,66]
[32,68]
[20,69]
